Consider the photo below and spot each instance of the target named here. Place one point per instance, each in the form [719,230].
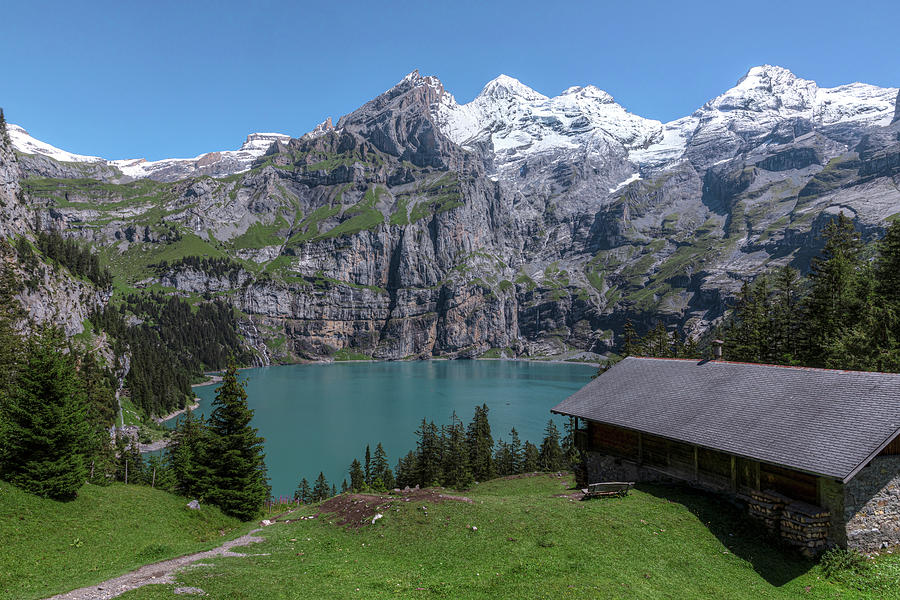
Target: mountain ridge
[418,227]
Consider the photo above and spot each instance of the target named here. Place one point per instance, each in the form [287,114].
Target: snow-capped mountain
[225,162]
[418,226]
[518,123]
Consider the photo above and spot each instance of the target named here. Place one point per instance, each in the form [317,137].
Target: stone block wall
[872,505]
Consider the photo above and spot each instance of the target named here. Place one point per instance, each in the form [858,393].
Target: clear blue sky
[160,79]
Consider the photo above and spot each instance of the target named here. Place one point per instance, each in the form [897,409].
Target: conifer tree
[406,471]
[357,477]
[503,460]
[47,435]
[304,492]
[334,491]
[368,467]
[457,473]
[481,445]
[531,458]
[833,302]
[382,477]
[515,451]
[344,487]
[551,455]
[321,489]
[631,343]
[235,471]
[428,454]
[185,455]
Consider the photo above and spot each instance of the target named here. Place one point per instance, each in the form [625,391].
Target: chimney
[717,349]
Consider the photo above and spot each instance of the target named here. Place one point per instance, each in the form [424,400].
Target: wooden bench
[607,488]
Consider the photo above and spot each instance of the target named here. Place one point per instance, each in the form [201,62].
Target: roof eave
[871,456]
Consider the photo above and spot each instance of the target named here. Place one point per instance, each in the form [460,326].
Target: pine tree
[456,470]
[531,458]
[47,435]
[429,453]
[344,487]
[551,455]
[503,460]
[357,477]
[303,493]
[407,470]
[481,445]
[631,343]
[235,477]
[368,467]
[382,477]
[515,451]
[185,455]
[321,489]
[832,304]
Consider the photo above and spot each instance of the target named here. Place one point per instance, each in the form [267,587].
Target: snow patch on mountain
[226,162]
[23,142]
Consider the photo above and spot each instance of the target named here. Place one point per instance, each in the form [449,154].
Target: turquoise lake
[319,417]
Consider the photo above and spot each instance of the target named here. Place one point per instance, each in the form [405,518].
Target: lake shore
[172,415]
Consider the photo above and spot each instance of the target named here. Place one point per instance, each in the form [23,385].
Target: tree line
[844,314]
[69,253]
[170,342]
[454,455]
[215,266]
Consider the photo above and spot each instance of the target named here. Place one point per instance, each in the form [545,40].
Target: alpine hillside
[417,226]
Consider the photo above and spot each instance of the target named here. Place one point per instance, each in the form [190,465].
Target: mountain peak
[589,91]
[770,72]
[504,86]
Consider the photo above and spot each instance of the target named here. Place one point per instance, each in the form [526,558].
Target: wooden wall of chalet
[692,463]
[891,449]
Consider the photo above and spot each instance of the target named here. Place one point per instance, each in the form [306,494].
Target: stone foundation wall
[872,505]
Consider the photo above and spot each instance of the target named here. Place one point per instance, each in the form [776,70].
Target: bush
[838,562]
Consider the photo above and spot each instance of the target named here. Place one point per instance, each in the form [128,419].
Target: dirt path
[161,572]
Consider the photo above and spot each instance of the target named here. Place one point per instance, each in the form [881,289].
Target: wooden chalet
[814,453]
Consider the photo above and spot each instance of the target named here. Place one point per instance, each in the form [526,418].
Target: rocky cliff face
[420,227]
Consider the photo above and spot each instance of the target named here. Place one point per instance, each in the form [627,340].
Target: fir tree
[368,467]
[357,477]
[832,302]
[382,477]
[428,454]
[630,344]
[47,435]
[185,455]
[321,489]
[515,451]
[304,492]
[344,487]
[481,445]
[407,470]
[457,473]
[551,455]
[531,458]
[235,477]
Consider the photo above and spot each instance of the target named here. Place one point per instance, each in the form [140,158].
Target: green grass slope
[658,542]
[50,547]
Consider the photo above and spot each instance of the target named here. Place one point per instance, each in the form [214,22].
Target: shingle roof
[825,422]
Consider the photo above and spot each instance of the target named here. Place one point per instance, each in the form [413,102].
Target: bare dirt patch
[357,510]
